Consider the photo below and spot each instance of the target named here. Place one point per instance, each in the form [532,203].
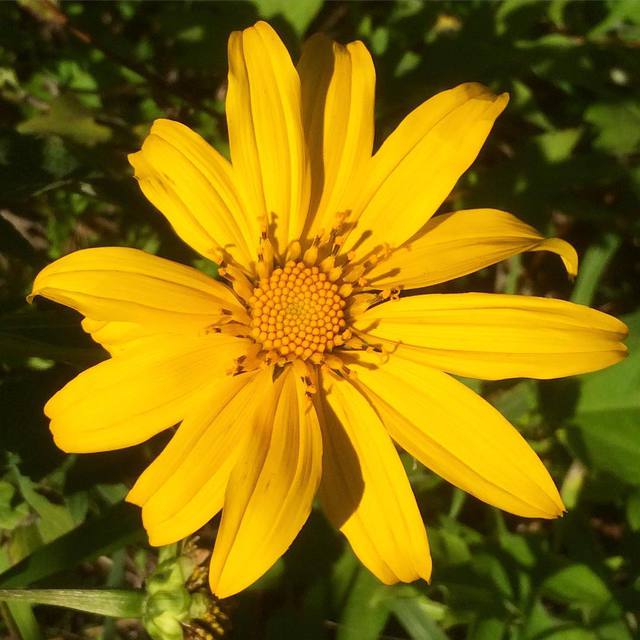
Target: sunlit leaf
[67,117]
[607,414]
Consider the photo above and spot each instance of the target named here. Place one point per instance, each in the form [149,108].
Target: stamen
[265,258]
[236,329]
[327,264]
[240,283]
[311,254]
[294,251]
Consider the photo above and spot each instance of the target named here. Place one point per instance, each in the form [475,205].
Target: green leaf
[617,124]
[24,540]
[10,516]
[116,603]
[556,12]
[487,629]
[55,520]
[118,527]
[416,613]
[557,146]
[25,622]
[451,548]
[592,267]
[298,14]
[363,617]
[619,12]
[516,402]
[607,414]
[577,583]
[68,118]
[633,511]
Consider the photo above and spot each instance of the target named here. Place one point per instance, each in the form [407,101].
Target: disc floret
[298,312]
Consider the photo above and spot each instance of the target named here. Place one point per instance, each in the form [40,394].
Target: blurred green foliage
[80,84]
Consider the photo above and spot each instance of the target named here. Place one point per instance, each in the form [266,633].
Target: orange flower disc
[297,311]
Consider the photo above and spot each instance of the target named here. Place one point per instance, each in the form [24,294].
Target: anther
[294,251]
[310,255]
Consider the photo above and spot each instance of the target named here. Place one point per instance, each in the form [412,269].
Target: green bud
[165,610]
[175,605]
[176,602]
[164,627]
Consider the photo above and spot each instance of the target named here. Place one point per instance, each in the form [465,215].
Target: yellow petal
[115,337]
[271,488]
[265,130]
[127,285]
[420,162]
[457,434]
[492,336]
[194,187]
[126,400]
[184,487]
[365,491]
[338,87]
[455,244]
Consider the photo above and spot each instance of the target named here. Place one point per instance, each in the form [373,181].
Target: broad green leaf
[619,12]
[491,567]
[617,125]
[24,540]
[487,629]
[364,616]
[577,583]
[451,548]
[556,146]
[55,520]
[298,14]
[5,563]
[118,527]
[607,414]
[416,613]
[10,516]
[519,548]
[539,621]
[516,402]
[69,118]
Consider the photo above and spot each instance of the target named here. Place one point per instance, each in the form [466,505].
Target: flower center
[298,312]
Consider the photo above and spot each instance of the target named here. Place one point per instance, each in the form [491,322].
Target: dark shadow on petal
[341,458]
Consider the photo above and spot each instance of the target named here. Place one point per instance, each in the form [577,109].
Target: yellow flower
[295,376]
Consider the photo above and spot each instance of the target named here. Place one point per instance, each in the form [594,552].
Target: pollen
[298,313]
